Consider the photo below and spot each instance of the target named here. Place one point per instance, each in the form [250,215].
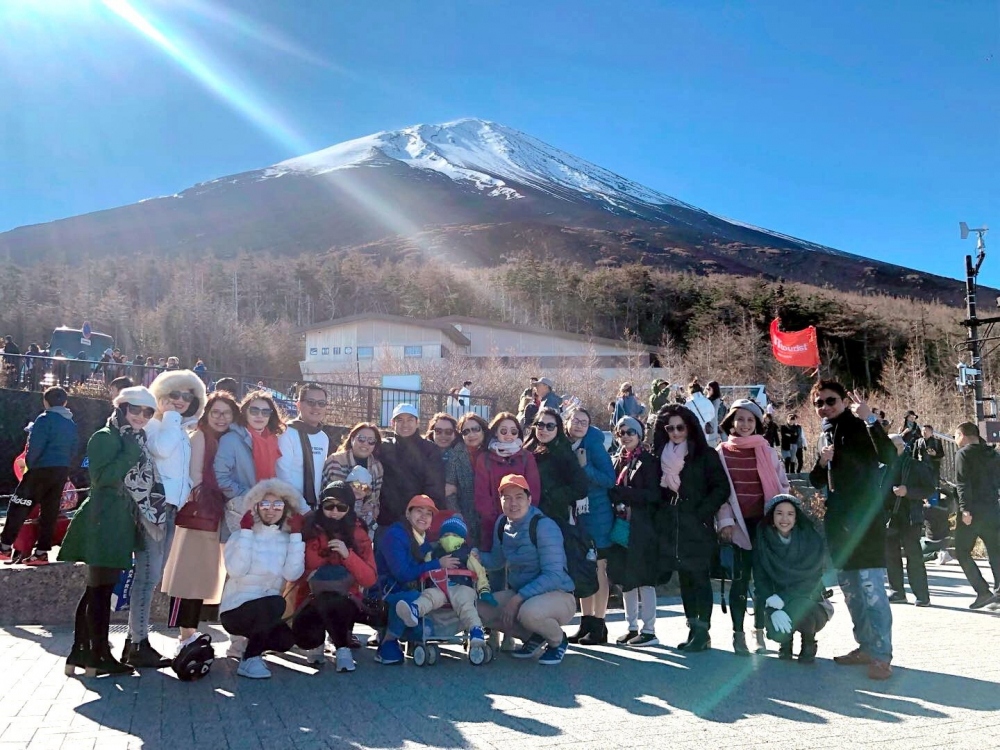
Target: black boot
[585,627]
[142,655]
[598,634]
[99,615]
[785,649]
[807,654]
[126,648]
[700,640]
[690,624]
[81,654]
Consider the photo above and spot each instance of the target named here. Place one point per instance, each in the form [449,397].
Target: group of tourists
[297,539]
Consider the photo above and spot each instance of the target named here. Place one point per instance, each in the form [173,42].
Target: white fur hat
[136,395]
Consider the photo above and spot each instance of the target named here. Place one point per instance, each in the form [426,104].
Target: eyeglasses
[315,403]
[361,487]
[675,428]
[259,411]
[365,440]
[145,411]
[220,414]
[271,505]
[549,426]
[629,433]
[828,401]
[444,431]
[468,430]
[339,507]
[186,396]
[582,421]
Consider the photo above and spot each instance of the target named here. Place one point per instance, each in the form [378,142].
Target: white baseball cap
[405,409]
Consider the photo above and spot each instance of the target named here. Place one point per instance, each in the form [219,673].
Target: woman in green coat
[103,534]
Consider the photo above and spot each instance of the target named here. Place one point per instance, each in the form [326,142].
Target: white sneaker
[237,647]
[944,557]
[345,660]
[254,668]
[316,655]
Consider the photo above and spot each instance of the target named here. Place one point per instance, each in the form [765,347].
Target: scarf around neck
[265,453]
[627,457]
[308,466]
[672,462]
[796,564]
[505,450]
[765,466]
[142,483]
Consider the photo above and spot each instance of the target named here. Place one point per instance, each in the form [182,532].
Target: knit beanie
[455,525]
[777,499]
[626,423]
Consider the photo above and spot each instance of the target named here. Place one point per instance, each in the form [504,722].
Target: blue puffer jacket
[394,561]
[53,437]
[601,477]
[531,570]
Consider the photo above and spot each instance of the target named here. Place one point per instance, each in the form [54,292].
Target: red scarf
[626,457]
[265,453]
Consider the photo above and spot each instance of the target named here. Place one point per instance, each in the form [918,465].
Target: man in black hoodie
[852,448]
[977,477]
[412,466]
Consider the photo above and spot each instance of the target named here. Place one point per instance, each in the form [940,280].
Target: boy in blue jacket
[51,445]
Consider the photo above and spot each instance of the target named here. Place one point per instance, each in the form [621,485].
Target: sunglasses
[145,411]
[629,432]
[828,401]
[314,402]
[339,507]
[549,426]
[259,411]
[468,430]
[361,487]
[186,396]
[509,431]
[365,440]
[675,428]
[444,431]
[271,505]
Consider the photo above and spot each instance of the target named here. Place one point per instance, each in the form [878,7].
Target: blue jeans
[149,563]
[868,603]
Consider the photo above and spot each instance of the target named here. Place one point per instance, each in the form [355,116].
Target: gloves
[295,523]
[487,596]
[582,506]
[774,602]
[247,521]
[781,621]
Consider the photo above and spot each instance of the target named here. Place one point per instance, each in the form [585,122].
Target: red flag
[795,348]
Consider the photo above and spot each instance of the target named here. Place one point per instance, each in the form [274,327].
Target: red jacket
[361,564]
[489,470]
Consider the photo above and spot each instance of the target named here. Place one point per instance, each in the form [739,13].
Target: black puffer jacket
[638,564]
[977,476]
[411,466]
[855,512]
[562,478]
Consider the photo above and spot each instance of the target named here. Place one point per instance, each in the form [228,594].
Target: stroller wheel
[420,655]
[433,652]
[490,653]
[478,655]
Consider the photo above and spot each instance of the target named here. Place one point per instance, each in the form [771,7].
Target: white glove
[781,622]
[582,506]
[774,602]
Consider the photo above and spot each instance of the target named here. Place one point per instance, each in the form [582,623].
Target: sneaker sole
[647,644]
[345,669]
[550,662]
[532,655]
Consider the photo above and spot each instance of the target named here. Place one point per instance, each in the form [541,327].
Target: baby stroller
[442,626]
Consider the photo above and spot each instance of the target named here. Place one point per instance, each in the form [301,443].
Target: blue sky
[870,127]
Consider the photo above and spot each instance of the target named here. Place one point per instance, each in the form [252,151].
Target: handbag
[620,532]
[203,511]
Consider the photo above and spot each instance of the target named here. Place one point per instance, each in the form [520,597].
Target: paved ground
[945,693]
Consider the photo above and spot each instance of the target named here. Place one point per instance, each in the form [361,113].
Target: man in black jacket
[853,446]
[977,475]
[411,466]
[905,486]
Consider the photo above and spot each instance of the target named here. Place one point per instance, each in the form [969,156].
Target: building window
[413,351]
[313,351]
[326,351]
[366,351]
[335,350]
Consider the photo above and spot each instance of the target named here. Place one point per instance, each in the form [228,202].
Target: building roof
[448,323]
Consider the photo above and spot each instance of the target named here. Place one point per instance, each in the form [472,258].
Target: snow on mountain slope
[486,154]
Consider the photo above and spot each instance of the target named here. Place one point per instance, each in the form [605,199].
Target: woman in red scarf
[756,474]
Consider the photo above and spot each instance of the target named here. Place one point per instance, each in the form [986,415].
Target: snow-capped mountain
[469,192]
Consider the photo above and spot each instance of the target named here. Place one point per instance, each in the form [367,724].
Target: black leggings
[260,622]
[696,594]
[741,586]
[328,612]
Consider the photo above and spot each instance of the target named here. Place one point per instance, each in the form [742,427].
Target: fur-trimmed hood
[176,380]
[282,490]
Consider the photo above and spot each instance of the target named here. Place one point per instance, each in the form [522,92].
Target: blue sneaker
[389,652]
[530,648]
[554,654]
[476,635]
[408,613]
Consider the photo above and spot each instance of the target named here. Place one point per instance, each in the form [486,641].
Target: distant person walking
[977,477]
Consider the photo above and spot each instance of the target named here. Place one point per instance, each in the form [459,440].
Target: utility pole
[975,371]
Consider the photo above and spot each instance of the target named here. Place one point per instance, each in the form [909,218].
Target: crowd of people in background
[511,524]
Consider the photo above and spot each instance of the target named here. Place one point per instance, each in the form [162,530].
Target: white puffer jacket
[167,434]
[260,560]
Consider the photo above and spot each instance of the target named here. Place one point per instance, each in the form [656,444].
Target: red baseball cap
[514,480]
[421,501]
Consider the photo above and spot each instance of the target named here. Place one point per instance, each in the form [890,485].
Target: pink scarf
[672,461]
[764,455]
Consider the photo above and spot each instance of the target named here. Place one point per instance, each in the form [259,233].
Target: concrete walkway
[945,692]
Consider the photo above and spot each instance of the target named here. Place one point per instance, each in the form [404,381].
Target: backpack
[581,554]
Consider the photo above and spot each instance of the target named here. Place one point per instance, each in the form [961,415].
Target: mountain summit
[467,192]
